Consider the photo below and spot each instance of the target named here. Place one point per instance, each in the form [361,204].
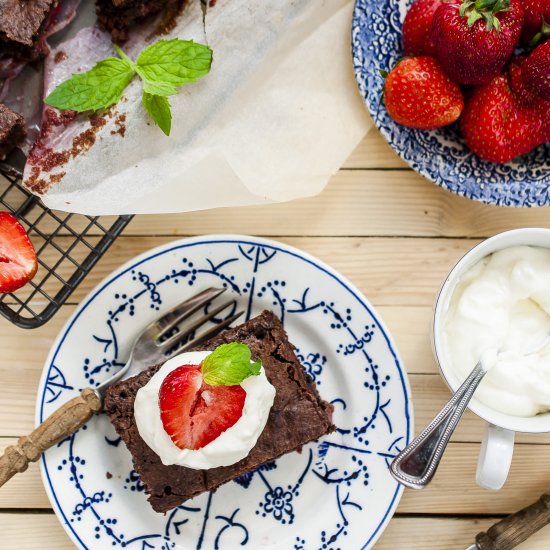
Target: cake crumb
[60,56]
[108,475]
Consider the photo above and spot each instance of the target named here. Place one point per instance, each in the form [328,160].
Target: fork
[158,342]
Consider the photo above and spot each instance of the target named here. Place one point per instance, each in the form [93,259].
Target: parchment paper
[275,118]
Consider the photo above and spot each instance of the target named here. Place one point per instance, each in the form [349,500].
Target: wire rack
[67,245]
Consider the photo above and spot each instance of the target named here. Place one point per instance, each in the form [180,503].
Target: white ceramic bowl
[528,236]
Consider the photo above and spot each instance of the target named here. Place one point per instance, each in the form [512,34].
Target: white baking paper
[277,115]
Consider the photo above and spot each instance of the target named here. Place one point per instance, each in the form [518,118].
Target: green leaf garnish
[159,110]
[159,88]
[174,61]
[95,89]
[229,365]
[162,67]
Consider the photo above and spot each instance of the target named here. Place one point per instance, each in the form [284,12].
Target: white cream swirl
[500,311]
[230,446]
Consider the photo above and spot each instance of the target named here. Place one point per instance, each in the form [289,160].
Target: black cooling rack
[67,246]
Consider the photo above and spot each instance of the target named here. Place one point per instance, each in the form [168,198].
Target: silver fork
[158,342]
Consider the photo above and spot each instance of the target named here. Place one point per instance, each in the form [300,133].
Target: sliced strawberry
[18,262]
[194,413]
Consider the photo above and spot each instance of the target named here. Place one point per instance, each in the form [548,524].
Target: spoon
[417,463]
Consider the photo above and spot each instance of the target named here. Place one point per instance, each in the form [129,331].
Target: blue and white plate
[441,155]
[336,493]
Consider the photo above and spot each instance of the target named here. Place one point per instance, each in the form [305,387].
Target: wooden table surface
[395,236]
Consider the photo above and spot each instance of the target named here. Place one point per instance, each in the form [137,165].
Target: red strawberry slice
[194,413]
[18,262]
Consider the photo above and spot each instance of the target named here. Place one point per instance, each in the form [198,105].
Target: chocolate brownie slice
[118,16]
[298,416]
[21,25]
[12,130]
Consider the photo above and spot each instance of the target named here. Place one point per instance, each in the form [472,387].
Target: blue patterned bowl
[440,155]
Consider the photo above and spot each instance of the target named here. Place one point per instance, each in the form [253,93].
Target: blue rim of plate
[222,239]
[441,155]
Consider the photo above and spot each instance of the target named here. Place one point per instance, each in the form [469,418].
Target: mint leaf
[159,88]
[229,365]
[159,110]
[98,88]
[174,61]
[162,66]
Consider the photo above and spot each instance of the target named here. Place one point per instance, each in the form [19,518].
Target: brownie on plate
[12,130]
[22,23]
[298,416]
[117,16]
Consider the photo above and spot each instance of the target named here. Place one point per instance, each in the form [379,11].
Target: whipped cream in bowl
[494,306]
[501,307]
[230,446]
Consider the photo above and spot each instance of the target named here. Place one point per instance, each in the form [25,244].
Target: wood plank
[355,203]
[445,534]
[388,271]
[402,532]
[24,531]
[24,490]
[374,152]
[453,490]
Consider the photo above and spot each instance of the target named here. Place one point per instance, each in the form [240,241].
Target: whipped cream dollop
[499,312]
[230,446]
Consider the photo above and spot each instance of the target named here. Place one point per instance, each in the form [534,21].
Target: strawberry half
[194,413]
[18,263]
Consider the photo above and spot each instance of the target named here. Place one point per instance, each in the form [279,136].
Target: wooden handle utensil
[62,423]
[516,528]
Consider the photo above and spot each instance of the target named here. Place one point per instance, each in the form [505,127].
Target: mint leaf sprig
[229,364]
[162,67]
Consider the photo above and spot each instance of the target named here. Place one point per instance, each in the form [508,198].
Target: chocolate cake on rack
[22,25]
[118,16]
[12,130]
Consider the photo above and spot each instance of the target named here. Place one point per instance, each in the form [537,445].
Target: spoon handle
[60,424]
[417,463]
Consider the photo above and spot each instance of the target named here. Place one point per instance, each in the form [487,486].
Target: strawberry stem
[474,10]
[543,34]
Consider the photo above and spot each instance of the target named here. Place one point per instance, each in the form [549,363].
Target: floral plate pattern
[337,493]
[440,155]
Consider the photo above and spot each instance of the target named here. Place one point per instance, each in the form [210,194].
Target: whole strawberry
[475,39]
[536,24]
[536,71]
[417,28]
[515,79]
[498,127]
[420,95]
